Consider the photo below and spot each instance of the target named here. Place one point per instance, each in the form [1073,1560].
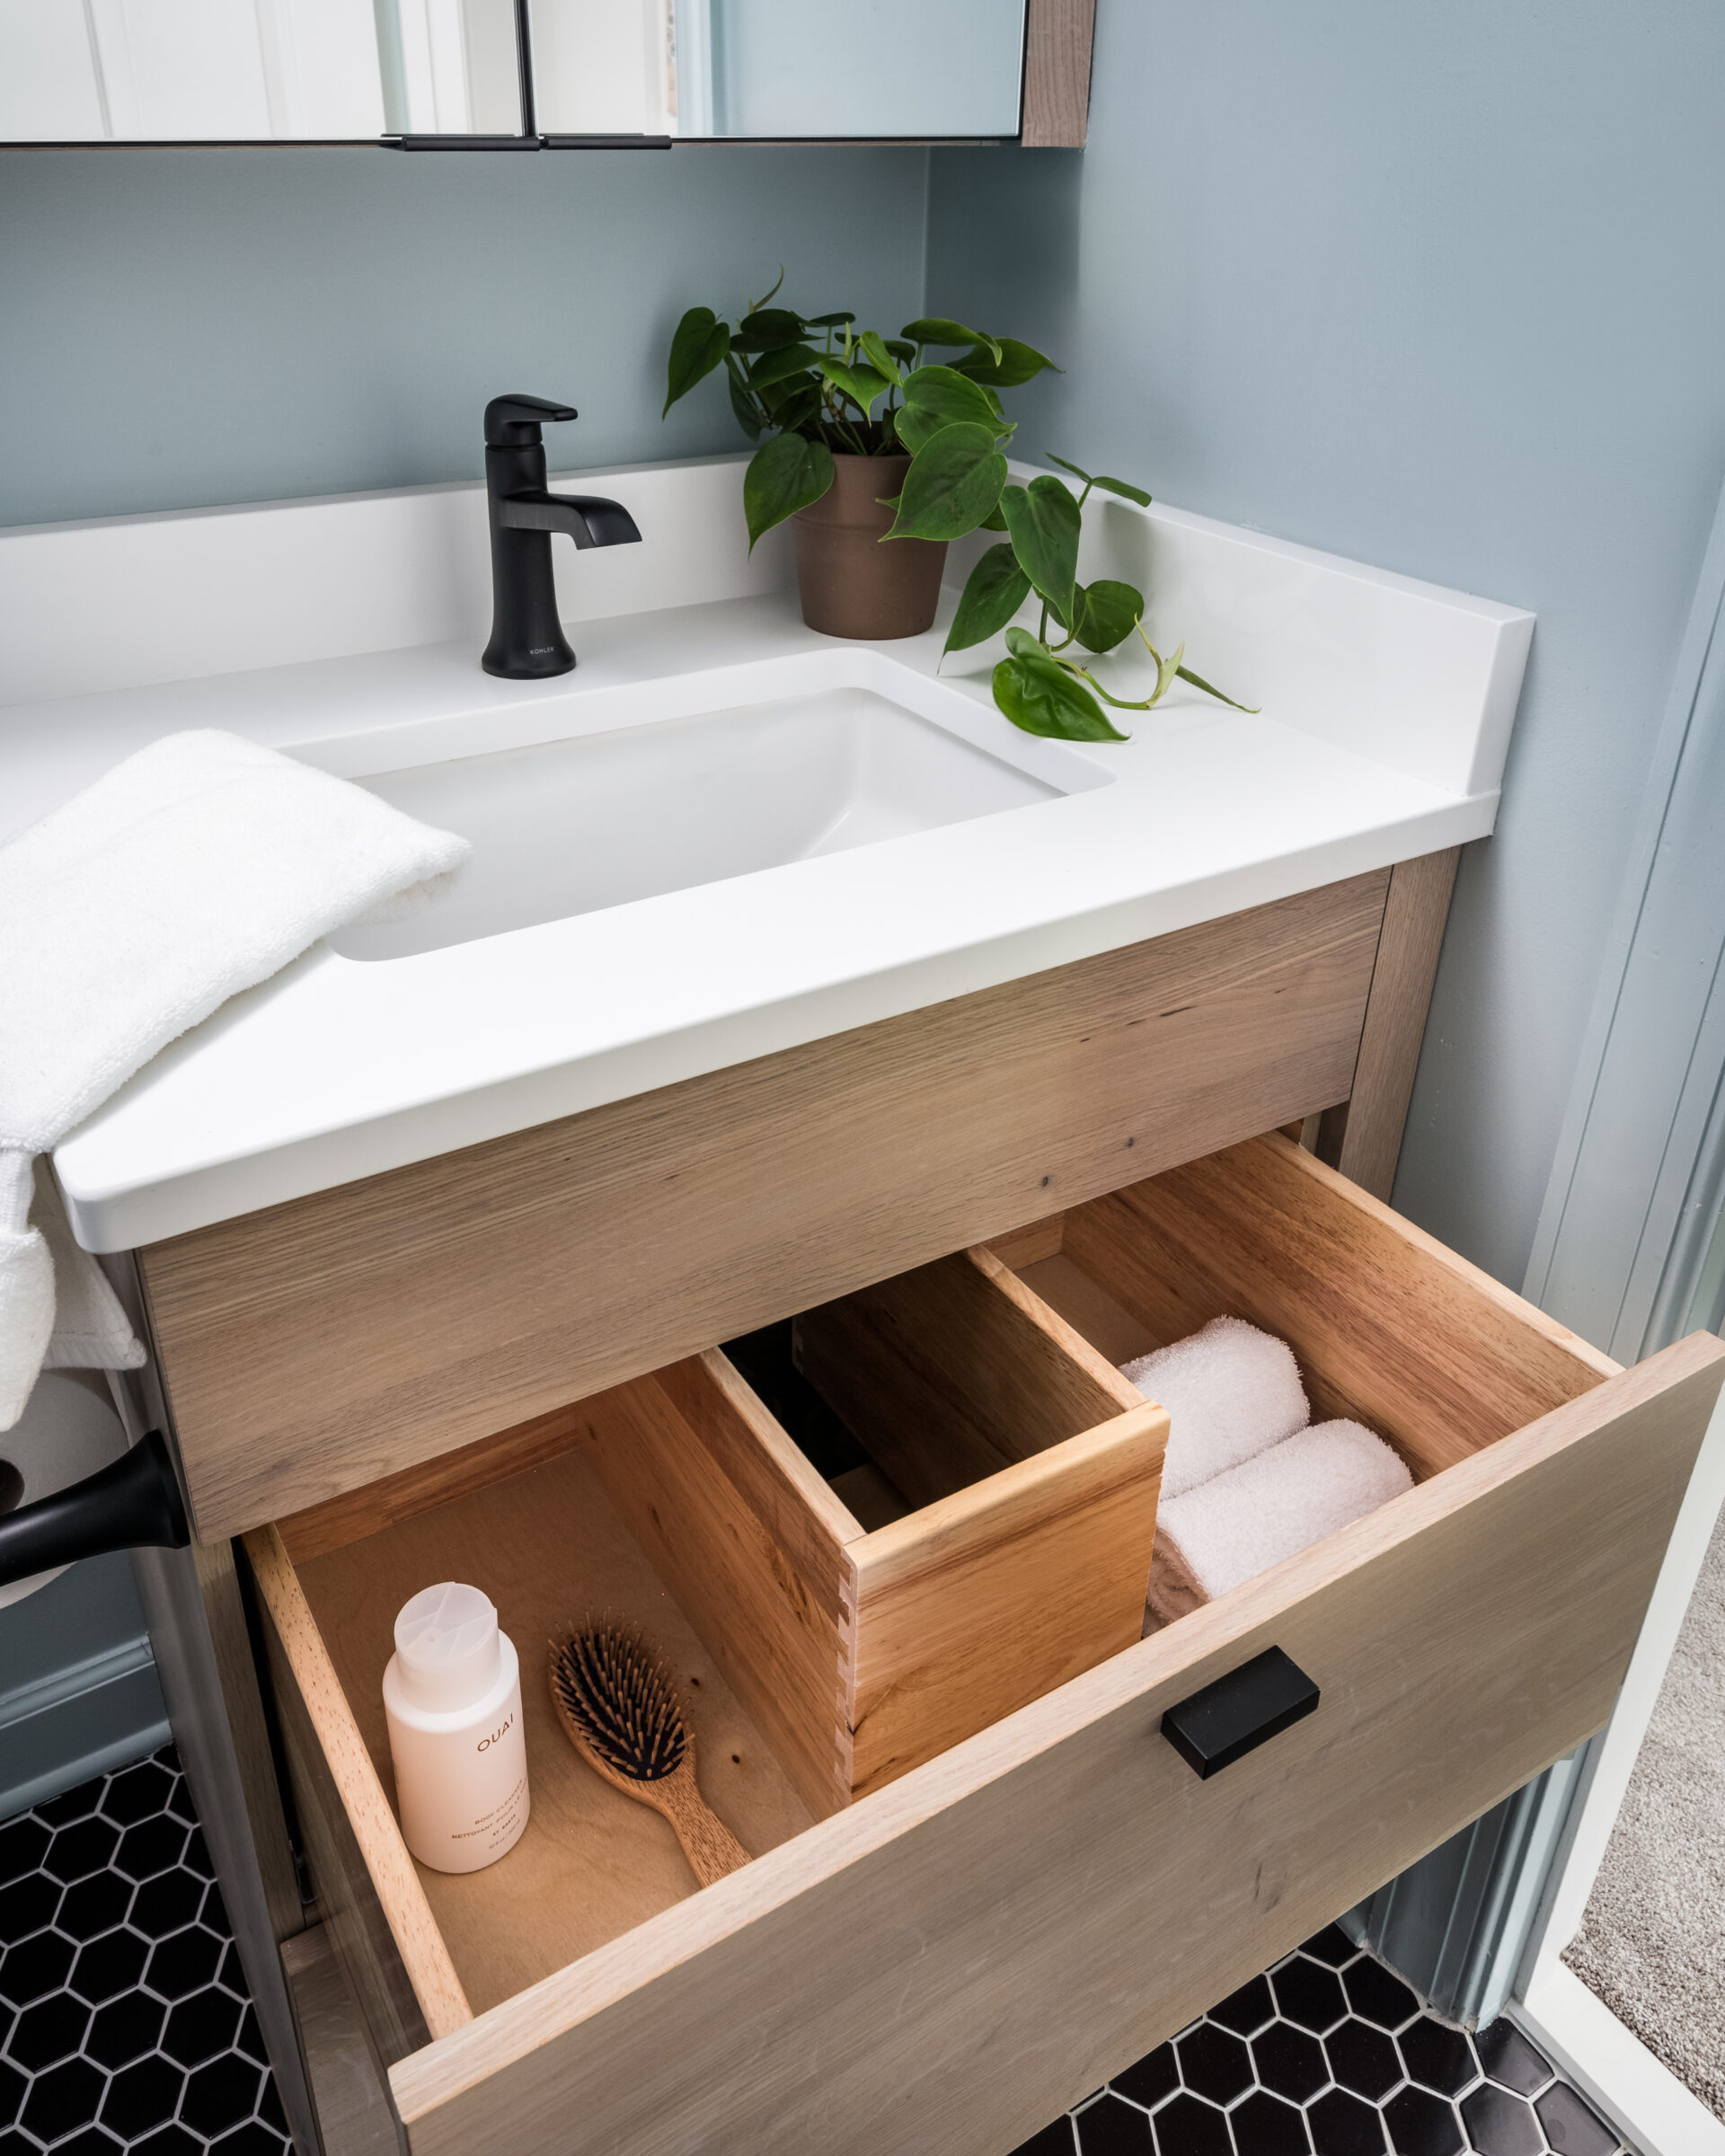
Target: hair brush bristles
[621,1699]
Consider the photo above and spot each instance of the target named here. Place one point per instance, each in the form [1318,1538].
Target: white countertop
[338,1069]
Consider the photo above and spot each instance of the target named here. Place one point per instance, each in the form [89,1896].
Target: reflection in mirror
[801,68]
[255,70]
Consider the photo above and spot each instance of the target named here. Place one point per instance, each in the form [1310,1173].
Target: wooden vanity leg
[1362,1137]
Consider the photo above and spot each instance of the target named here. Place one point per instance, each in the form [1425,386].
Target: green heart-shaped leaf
[1044,523]
[954,479]
[935,397]
[768,328]
[1023,644]
[1107,614]
[997,587]
[935,329]
[1040,697]
[780,363]
[860,384]
[874,351]
[826,322]
[784,476]
[700,342]
[1016,363]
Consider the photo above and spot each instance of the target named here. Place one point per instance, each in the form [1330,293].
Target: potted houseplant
[881,457]
[867,440]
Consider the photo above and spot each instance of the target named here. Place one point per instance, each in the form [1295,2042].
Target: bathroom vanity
[1052,1053]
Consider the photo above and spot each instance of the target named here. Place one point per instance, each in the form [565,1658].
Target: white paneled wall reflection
[612,67]
[241,70]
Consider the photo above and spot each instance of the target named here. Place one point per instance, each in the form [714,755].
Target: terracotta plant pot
[851,584]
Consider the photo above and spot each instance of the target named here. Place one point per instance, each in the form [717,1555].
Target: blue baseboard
[78,1722]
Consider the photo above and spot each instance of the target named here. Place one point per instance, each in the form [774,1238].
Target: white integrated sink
[569,826]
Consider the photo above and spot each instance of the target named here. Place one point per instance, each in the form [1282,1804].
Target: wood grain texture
[871,1496]
[947,1375]
[368,1892]
[1058,35]
[1023,1917]
[1026,1245]
[697,1470]
[804,1515]
[1391,1329]
[358,1513]
[1090,1310]
[548,1547]
[986,1599]
[316,1346]
[1365,1137]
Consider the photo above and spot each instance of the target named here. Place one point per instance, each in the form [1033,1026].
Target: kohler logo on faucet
[496,1736]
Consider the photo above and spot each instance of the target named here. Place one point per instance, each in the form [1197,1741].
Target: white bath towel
[197,868]
[1240,1524]
[1230,1391]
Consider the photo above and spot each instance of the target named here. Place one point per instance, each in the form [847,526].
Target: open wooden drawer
[945,1963]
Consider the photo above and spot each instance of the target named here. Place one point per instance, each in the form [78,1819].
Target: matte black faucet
[527,643]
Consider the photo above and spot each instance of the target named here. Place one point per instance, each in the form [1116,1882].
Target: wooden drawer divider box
[950,1961]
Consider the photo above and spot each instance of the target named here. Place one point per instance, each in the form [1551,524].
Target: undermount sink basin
[600,817]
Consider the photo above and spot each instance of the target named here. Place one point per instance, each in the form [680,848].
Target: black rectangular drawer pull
[1214,1728]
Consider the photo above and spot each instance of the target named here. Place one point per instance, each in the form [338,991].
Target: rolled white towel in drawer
[1240,1523]
[1231,1392]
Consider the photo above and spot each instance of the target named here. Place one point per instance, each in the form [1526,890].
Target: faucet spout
[589,519]
[528,641]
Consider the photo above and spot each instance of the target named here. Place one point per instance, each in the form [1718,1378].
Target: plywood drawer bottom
[947,1962]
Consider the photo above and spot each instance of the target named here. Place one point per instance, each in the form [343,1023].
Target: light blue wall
[1441,289]
[181,327]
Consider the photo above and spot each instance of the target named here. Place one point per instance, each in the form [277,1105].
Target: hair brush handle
[709,1845]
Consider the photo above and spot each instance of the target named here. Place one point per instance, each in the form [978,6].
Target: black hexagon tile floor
[124,2019]
[1330,2054]
[125,2026]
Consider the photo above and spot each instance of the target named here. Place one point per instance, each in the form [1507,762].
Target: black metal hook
[131,1504]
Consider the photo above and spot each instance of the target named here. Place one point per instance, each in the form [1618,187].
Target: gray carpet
[1652,1943]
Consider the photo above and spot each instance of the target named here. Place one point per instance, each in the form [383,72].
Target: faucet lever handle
[514,422]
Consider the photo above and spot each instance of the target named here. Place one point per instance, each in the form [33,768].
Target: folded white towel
[1239,1523]
[195,869]
[1230,1391]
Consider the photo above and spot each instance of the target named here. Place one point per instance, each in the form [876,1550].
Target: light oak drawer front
[945,1963]
[315,1346]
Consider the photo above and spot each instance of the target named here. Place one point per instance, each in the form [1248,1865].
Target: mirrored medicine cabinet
[542,74]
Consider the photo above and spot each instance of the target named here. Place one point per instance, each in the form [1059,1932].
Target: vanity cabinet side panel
[1363,1137]
[768,1606]
[315,1346]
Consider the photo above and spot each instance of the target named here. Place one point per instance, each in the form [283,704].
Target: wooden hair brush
[621,1710]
